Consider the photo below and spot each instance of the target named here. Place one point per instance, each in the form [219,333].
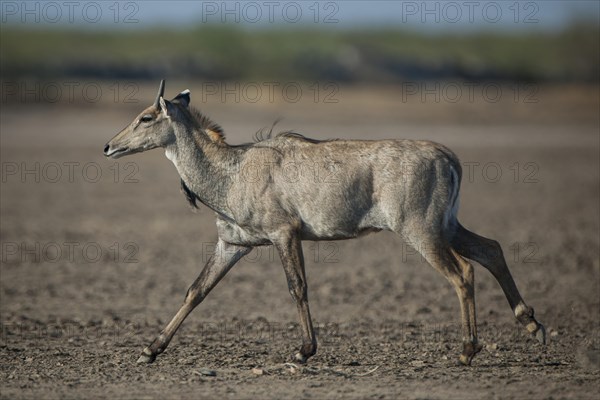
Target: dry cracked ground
[97,256]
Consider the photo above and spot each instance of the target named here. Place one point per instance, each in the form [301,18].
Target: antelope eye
[146,118]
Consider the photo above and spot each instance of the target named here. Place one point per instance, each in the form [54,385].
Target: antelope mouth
[116,153]
[123,151]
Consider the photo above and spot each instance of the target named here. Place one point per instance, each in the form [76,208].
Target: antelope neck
[206,168]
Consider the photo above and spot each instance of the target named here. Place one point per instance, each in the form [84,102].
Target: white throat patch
[172,156]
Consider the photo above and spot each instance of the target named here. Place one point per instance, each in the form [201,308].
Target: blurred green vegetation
[229,53]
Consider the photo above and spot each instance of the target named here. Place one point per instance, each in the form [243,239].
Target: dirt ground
[97,255]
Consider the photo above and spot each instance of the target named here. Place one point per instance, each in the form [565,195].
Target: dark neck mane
[211,128]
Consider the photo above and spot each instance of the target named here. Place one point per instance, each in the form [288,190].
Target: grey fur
[289,188]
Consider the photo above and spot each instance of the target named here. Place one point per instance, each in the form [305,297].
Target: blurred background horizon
[347,42]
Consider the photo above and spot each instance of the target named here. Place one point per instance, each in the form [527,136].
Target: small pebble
[208,372]
[492,346]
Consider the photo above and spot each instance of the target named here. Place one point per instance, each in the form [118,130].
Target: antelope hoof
[147,357]
[540,335]
[300,358]
[305,352]
[537,330]
[469,351]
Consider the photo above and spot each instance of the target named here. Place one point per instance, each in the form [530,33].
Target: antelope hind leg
[489,254]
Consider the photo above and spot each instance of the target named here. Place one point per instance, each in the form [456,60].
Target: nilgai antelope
[405,186]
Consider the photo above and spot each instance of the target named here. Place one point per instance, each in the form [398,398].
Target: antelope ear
[183,98]
[164,106]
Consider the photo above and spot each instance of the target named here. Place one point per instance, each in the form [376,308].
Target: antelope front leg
[225,257]
[290,251]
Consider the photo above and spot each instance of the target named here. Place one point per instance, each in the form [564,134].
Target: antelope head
[152,128]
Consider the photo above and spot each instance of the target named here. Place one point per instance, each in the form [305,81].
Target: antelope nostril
[106,147]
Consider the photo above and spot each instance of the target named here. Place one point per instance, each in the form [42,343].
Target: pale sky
[427,16]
